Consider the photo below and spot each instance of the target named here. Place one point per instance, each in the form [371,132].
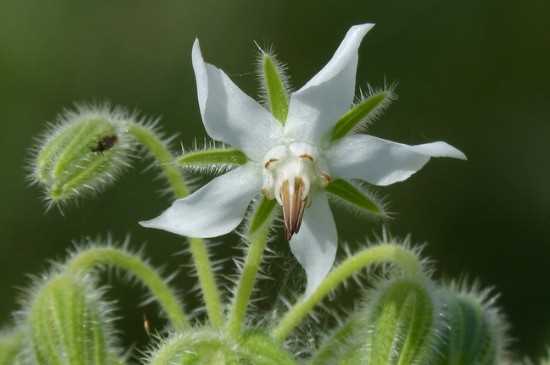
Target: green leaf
[362,113]
[274,85]
[212,157]
[355,197]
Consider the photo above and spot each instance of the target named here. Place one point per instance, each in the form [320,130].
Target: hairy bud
[69,323]
[477,332]
[11,345]
[82,153]
[398,325]
[206,346]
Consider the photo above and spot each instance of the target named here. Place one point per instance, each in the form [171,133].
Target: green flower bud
[82,153]
[69,323]
[398,325]
[208,347]
[477,332]
[11,347]
[404,319]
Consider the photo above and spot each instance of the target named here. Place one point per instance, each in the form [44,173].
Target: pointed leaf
[356,197]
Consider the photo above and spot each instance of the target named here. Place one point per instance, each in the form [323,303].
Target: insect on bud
[69,324]
[82,153]
[477,332]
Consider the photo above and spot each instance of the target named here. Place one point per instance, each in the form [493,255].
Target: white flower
[291,162]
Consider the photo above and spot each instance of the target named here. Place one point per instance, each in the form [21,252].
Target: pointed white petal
[316,107]
[314,246]
[383,162]
[229,115]
[215,209]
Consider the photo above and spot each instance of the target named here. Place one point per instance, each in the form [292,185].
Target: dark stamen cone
[293,206]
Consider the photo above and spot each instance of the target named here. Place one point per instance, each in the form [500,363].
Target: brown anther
[293,206]
[269,162]
[305,156]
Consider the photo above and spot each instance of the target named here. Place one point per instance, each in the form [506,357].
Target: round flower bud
[477,332]
[84,151]
[398,325]
[69,323]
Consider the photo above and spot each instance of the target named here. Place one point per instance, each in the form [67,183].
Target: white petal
[383,162]
[215,209]
[315,245]
[316,107]
[231,116]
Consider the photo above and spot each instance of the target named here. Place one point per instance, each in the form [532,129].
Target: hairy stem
[158,149]
[387,252]
[93,257]
[258,233]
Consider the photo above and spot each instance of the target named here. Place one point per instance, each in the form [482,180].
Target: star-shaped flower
[294,160]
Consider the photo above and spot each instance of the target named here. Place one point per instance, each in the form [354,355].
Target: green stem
[91,258]
[258,234]
[160,152]
[387,252]
[158,149]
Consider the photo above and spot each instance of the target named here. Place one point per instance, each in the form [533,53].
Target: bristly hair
[281,67]
[390,96]
[206,169]
[487,298]
[380,201]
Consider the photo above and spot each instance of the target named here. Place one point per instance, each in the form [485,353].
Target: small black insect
[105,143]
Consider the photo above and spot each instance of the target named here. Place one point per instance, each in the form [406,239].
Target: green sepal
[274,86]
[477,331]
[363,112]
[211,158]
[356,197]
[11,346]
[69,323]
[262,214]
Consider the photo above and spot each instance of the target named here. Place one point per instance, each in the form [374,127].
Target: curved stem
[158,149]
[258,234]
[160,152]
[387,252]
[91,258]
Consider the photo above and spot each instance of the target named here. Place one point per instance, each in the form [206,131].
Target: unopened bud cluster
[82,153]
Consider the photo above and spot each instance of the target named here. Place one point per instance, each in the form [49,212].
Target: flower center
[290,173]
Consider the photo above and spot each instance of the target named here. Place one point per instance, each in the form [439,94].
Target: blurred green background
[473,73]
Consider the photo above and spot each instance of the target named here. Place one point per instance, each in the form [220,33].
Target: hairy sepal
[357,198]
[274,85]
[11,346]
[212,159]
[370,106]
